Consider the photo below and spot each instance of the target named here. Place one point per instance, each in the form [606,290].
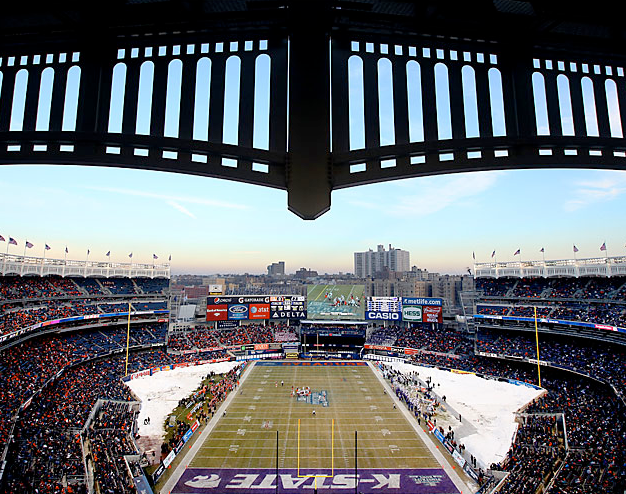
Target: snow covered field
[161,392]
[487,405]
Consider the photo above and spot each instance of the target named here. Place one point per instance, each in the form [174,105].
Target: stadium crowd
[17,287]
[594,300]
[440,339]
[202,337]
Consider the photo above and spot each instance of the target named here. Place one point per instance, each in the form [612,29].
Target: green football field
[246,436]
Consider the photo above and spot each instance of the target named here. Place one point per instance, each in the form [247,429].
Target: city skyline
[213,226]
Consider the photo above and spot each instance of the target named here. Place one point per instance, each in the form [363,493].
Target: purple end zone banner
[322,363]
[263,481]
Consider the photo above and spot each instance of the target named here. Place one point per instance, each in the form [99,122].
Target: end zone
[263,481]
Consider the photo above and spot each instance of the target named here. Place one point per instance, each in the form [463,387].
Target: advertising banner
[422,301]
[217,312]
[289,314]
[237,312]
[216,289]
[238,299]
[412,313]
[259,311]
[382,316]
[432,314]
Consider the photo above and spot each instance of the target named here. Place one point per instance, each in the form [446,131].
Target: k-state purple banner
[263,481]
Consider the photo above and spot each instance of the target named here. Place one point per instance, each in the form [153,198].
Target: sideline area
[190,453]
[450,470]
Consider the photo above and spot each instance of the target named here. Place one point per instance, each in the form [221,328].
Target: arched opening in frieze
[589,105]
[612,101]
[385,108]
[356,107]
[262,69]
[565,105]
[498,123]
[470,101]
[541,104]
[144,98]
[231,101]
[385,103]
[70,104]
[118,89]
[442,101]
[19,100]
[42,123]
[414,101]
[172,98]
[202,100]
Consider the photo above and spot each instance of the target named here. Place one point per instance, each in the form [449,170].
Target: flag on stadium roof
[66,251]
[12,241]
[87,251]
[2,239]
[474,255]
[170,257]
[28,244]
[130,255]
[109,254]
[517,252]
[47,247]
[493,253]
[603,246]
[542,250]
[154,256]
[575,249]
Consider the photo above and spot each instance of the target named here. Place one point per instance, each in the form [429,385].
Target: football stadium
[444,126]
[106,389]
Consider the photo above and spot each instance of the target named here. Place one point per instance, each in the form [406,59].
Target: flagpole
[537,341]
[127,341]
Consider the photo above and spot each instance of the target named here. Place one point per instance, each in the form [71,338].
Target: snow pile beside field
[486,404]
[161,392]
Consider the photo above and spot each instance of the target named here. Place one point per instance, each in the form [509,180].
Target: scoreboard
[383,304]
[288,307]
[409,309]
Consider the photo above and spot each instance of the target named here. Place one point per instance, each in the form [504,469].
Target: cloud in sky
[177,199]
[430,195]
[181,208]
[590,192]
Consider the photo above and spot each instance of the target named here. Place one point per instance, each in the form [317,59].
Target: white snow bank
[161,392]
[487,404]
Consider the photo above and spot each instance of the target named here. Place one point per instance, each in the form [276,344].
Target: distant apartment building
[367,264]
[276,268]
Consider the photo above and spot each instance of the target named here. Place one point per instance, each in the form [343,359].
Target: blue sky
[216,226]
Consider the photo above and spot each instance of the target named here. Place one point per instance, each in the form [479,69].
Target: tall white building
[370,262]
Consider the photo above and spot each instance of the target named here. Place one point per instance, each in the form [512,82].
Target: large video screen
[336,302]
